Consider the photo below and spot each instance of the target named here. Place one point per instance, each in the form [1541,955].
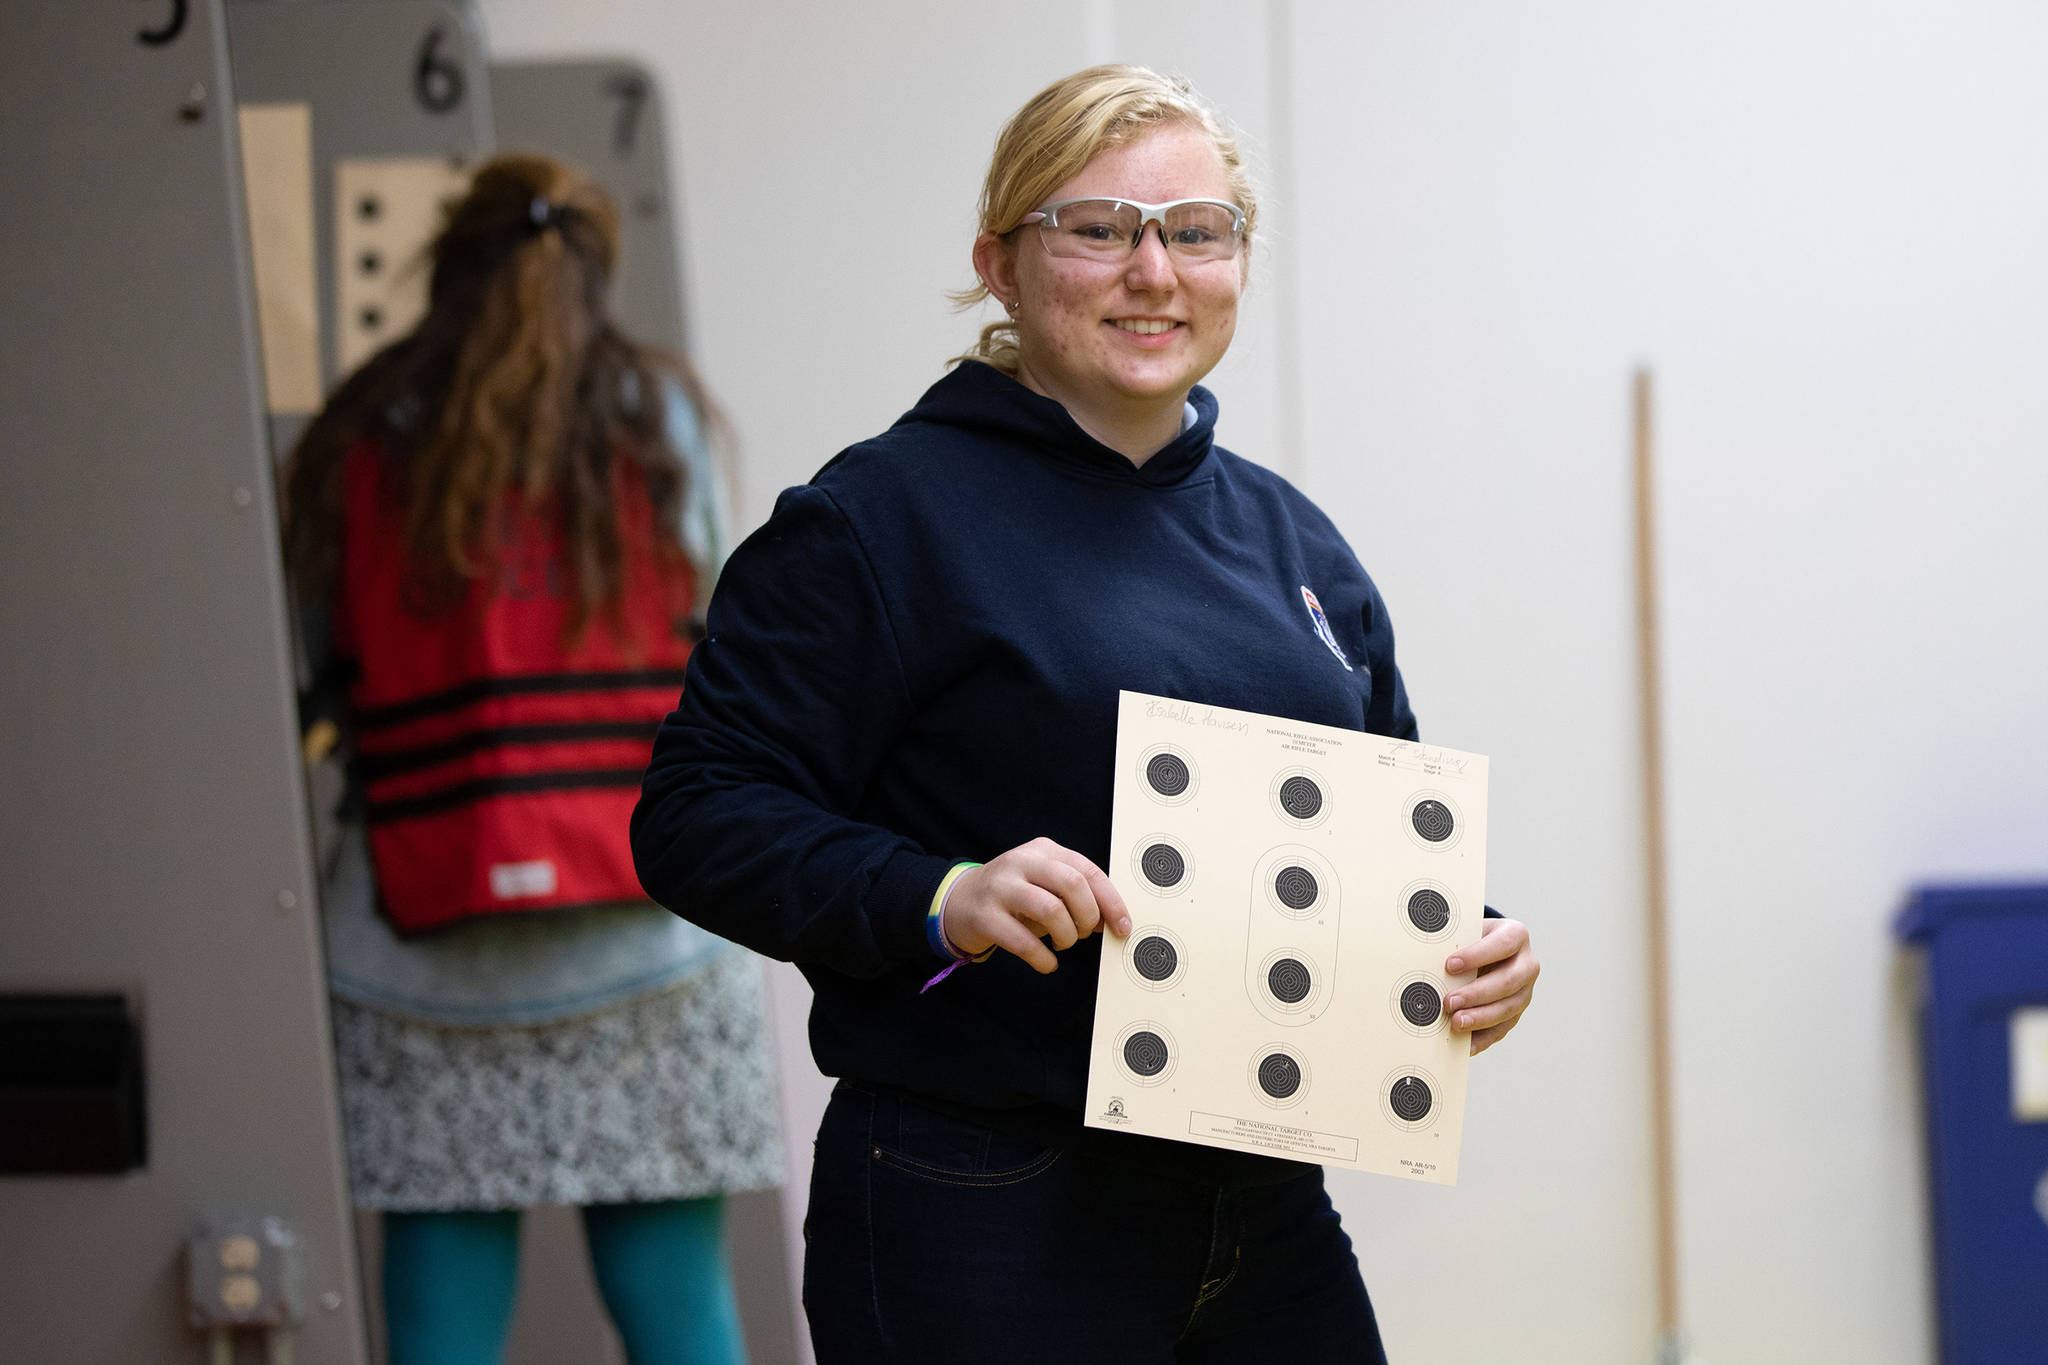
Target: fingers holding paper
[1492,1003]
[1035,894]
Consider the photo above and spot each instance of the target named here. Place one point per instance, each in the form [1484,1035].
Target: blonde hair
[1063,128]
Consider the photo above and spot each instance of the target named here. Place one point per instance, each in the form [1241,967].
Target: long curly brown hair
[516,382]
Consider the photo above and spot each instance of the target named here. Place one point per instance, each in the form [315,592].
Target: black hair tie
[542,213]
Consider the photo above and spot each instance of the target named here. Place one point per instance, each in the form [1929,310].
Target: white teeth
[1143,327]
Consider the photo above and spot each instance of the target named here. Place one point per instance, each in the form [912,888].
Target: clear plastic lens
[1108,228]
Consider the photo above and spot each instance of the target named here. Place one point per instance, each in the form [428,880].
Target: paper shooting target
[1146,1053]
[1295,887]
[1297,882]
[1428,910]
[1278,1076]
[1300,797]
[1168,774]
[1433,821]
[1290,986]
[1163,865]
[1290,981]
[1408,1098]
[1157,959]
[1418,1004]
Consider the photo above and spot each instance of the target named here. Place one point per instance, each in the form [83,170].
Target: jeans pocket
[932,1146]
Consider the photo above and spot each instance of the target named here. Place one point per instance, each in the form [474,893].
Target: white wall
[1820,223]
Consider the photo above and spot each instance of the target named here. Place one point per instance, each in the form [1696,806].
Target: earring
[1010,305]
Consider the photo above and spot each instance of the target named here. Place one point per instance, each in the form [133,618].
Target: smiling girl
[894,757]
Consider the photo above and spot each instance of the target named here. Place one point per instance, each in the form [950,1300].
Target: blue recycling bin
[1986,995]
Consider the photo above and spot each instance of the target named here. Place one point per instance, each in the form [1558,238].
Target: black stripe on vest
[375,767]
[518,684]
[477,789]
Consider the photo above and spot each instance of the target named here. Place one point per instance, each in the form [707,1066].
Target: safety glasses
[1109,229]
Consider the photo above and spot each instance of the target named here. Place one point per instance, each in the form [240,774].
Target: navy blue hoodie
[916,661]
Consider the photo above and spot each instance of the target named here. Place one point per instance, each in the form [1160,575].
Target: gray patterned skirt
[668,1096]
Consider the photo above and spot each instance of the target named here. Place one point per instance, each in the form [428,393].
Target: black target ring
[1301,798]
[1168,774]
[1420,1004]
[1289,980]
[1145,1053]
[1164,865]
[1296,887]
[1433,820]
[1429,910]
[1410,1100]
[1280,1076]
[1155,959]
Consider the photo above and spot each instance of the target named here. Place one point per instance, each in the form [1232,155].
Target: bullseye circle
[1164,866]
[1280,1076]
[1410,1099]
[1420,1004]
[1167,774]
[1289,981]
[1145,1053]
[1432,820]
[1154,958]
[1157,961]
[1429,910]
[1296,887]
[1301,798]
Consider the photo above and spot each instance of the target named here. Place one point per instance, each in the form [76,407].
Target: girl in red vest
[487,527]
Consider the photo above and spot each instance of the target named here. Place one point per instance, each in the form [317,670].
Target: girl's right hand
[1036,891]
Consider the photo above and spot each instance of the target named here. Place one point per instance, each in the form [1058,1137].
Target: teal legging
[449,1280]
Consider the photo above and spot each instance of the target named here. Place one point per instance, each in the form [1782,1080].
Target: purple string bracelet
[937,929]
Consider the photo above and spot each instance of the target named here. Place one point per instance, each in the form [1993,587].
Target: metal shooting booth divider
[375,111]
[165,1073]
[199,247]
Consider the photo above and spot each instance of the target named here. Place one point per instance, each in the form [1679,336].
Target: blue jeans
[931,1240]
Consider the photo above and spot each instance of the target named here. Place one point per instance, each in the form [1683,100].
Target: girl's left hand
[1491,1005]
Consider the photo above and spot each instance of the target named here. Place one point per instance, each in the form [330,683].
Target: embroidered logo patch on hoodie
[1315,611]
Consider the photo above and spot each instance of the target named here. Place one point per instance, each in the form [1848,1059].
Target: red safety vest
[500,768]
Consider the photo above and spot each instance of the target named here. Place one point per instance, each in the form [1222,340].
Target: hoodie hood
[978,397]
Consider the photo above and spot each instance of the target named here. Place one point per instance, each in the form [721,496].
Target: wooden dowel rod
[1657,941]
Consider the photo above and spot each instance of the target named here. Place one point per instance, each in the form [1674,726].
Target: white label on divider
[2030,1065]
[519,881]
